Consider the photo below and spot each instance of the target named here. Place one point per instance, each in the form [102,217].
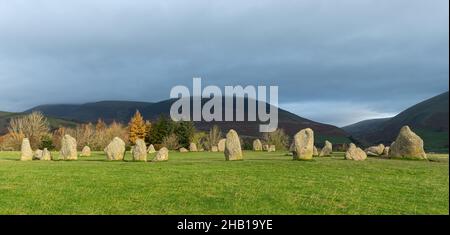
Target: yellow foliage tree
[137,128]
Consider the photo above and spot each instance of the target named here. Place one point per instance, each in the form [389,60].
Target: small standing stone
[46,155]
[86,151]
[38,154]
[151,149]
[221,145]
[193,147]
[304,145]
[69,148]
[139,150]
[355,153]
[115,150]
[257,145]
[26,151]
[233,149]
[162,155]
[327,149]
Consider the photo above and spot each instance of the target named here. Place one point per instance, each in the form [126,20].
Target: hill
[122,111]
[5,117]
[429,119]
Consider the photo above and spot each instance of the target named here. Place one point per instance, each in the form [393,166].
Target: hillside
[5,117]
[122,111]
[429,119]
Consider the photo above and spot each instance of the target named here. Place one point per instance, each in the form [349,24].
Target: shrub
[171,142]
[278,138]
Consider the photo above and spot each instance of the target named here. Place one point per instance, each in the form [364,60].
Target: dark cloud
[374,57]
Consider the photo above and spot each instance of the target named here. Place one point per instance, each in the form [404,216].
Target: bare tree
[214,136]
[33,126]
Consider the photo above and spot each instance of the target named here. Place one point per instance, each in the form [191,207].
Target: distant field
[203,183]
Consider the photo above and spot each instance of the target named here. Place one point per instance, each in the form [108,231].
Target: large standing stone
[193,147]
[151,149]
[304,145]
[355,153]
[233,149]
[86,151]
[257,145]
[26,151]
[115,150]
[221,145]
[140,150]
[407,145]
[327,149]
[46,155]
[162,155]
[38,154]
[69,148]
[375,150]
[315,151]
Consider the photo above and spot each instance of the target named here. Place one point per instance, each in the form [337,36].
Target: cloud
[386,54]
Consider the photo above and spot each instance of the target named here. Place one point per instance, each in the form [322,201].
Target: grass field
[203,183]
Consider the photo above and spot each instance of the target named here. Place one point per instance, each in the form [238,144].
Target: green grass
[203,183]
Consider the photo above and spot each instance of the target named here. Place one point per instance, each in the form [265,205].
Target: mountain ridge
[428,118]
[122,111]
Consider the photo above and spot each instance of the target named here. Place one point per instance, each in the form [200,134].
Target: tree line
[161,132]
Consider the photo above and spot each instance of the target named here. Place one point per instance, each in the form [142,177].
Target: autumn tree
[137,128]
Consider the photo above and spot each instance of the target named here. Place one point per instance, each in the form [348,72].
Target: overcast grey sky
[336,62]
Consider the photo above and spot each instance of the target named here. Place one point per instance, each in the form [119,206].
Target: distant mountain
[122,111]
[5,117]
[429,119]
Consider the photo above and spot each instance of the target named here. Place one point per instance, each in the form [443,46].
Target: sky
[336,62]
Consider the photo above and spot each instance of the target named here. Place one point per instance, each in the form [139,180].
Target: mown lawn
[203,183]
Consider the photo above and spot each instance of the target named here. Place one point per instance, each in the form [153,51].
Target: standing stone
[115,150]
[183,150]
[69,148]
[193,147]
[46,155]
[386,151]
[26,151]
[86,151]
[221,145]
[304,145]
[151,149]
[375,150]
[162,155]
[38,154]
[233,149]
[355,153]
[214,149]
[271,148]
[315,151]
[257,145]
[266,147]
[327,149]
[407,145]
[140,150]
